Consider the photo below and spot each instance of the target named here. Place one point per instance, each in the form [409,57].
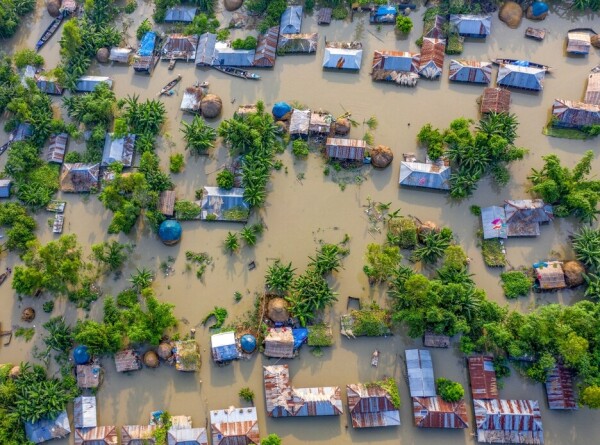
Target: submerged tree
[198,136]
[279,277]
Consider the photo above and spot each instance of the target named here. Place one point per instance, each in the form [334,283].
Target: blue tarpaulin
[386,10]
[280,109]
[147,44]
[538,8]
[300,336]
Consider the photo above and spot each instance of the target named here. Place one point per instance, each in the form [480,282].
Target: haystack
[151,359]
[211,106]
[595,40]
[381,156]
[511,13]
[14,372]
[53,7]
[102,55]
[342,126]
[232,5]
[28,314]
[277,310]
[574,271]
[165,351]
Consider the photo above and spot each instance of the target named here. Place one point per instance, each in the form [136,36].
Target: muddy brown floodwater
[300,213]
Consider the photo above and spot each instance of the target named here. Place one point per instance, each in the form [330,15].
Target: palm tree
[238,134]
[198,136]
[327,259]
[431,249]
[231,243]
[141,279]
[248,235]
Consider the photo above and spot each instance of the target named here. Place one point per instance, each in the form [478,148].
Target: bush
[176,163]
[404,24]
[130,7]
[248,43]
[271,439]
[26,57]
[186,210]
[449,391]
[300,148]
[246,394]
[339,13]
[144,27]
[319,335]
[455,257]
[404,232]
[223,34]
[515,283]
[48,306]
[72,157]
[455,44]
[226,179]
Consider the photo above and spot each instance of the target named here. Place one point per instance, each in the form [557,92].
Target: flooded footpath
[304,206]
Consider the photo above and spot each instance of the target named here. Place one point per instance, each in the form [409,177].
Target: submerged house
[521,77]
[283,400]
[343,55]
[128,360]
[549,275]
[495,100]
[225,55]
[420,373]
[435,28]
[320,123]
[187,356]
[524,216]
[192,97]
[187,436]
[87,84]
[571,114]
[180,14]
[578,42]
[299,124]
[434,412]
[425,175]
[266,48]
[224,205]
[138,435]
[57,148]
[433,340]
[508,421]
[592,91]
[145,58]
[180,47]
[5,188]
[79,178]
[49,85]
[224,347]
[560,389]
[234,426]
[431,62]
[324,17]
[470,71]
[88,376]
[166,203]
[120,55]
[342,149]
[279,343]
[291,20]
[371,406]
[84,412]
[48,429]
[472,25]
[482,376]
[100,435]
[298,43]
[118,150]
[400,67]
[493,221]
[206,49]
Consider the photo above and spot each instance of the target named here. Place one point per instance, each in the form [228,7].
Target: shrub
[176,163]
[144,27]
[186,210]
[300,148]
[271,439]
[319,335]
[72,157]
[26,57]
[455,257]
[226,179]
[223,34]
[48,306]
[249,43]
[404,231]
[475,210]
[391,387]
[404,24]
[246,394]
[449,391]
[130,6]
[339,13]
[515,283]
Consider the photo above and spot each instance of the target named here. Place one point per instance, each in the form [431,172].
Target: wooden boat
[517,62]
[375,358]
[59,222]
[237,72]
[535,33]
[49,32]
[172,63]
[170,85]
[3,277]
[6,334]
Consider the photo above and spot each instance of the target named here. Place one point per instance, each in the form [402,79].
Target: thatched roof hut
[187,356]
[192,97]
[277,310]
[127,360]
[549,275]
[166,203]
[279,343]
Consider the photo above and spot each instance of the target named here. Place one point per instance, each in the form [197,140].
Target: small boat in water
[170,85]
[3,277]
[49,32]
[375,358]
[237,72]
[525,63]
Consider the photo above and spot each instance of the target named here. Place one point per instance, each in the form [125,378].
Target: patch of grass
[475,210]
[319,335]
[220,314]
[515,283]
[26,333]
[492,251]
[566,133]
[391,387]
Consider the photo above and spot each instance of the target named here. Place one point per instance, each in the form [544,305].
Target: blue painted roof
[472,25]
[183,14]
[419,174]
[147,44]
[385,10]
[45,429]
[291,20]
[227,56]
[219,202]
[493,221]
[527,78]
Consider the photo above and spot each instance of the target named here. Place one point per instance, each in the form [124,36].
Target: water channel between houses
[301,212]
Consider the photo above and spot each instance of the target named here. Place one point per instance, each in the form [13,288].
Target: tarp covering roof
[572,114]
[483,377]
[396,60]
[291,20]
[508,421]
[432,57]
[180,13]
[234,426]
[420,174]
[343,59]
[471,71]
[225,205]
[299,122]
[147,44]
[224,347]
[523,77]
[48,429]
[434,412]
[420,373]
[346,149]
[84,412]
[493,221]
[300,336]
[560,389]
[371,406]
[472,25]
[495,100]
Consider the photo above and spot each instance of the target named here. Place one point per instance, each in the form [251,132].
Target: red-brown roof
[559,389]
[434,412]
[483,377]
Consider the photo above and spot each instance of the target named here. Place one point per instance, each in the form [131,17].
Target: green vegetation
[271,11]
[372,321]
[279,277]
[226,179]
[319,335]
[141,279]
[187,210]
[198,136]
[404,24]
[566,133]
[455,44]
[590,397]
[391,387]
[11,12]
[26,333]
[382,261]
[340,12]
[300,148]
[249,42]
[449,391]
[271,439]
[176,163]
[327,259]
[26,57]
[586,244]
[201,260]
[402,231]
[48,306]
[433,246]
[515,283]
[571,191]
[20,226]
[144,27]
[493,252]
[162,429]
[111,255]
[220,314]
[231,243]
[202,23]
[310,293]
[246,394]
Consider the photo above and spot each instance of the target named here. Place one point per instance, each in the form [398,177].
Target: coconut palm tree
[327,259]
[198,136]
[431,249]
[141,279]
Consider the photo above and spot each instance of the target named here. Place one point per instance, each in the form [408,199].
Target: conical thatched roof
[277,310]
[165,351]
[151,359]
[211,106]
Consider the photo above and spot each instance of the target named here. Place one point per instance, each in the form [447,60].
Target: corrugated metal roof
[495,100]
[324,16]
[559,388]
[493,221]
[87,84]
[84,412]
[79,177]
[420,373]
[432,57]
[436,30]
[48,429]
[138,435]
[226,56]
[420,174]
[298,43]
[572,114]
[120,55]
[266,48]
[483,377]
[183,14]
[299,122]
[578,42]
[470,71]
[222,203]
[279,343]
[523,217]
[472,25]
[592,92]
[180,47]
[291,20]
[118,150]
[523,77]
[166,202]
[508,421]
[101,435]
[205,55]
[432,340]
[224,347]
[346,149]
[57,148]
[320,122]
[396,60]
[433,412]
[371,406]
[342,59]
[187,436]
[48,86]
[234,426]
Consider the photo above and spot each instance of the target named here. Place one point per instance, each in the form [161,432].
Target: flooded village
[337,244]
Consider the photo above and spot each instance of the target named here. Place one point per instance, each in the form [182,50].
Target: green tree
[382,261]
[515,283]
[26,57]
[248,235]
[327,259]
[144,27]
[586,244]
[100,338]
[590,396]
[71,40]
[231,243]
[271,439]
[198,136]
[148,324]
[449,391]
[404,24]
[309,295]
[113,255]
[176,163]
[574,349]
[142,278]
[246,394]
[226,179]
[300,148]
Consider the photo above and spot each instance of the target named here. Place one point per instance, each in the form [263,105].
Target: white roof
[223,339]
[348,59]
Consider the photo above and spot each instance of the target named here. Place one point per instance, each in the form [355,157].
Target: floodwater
[304,207]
